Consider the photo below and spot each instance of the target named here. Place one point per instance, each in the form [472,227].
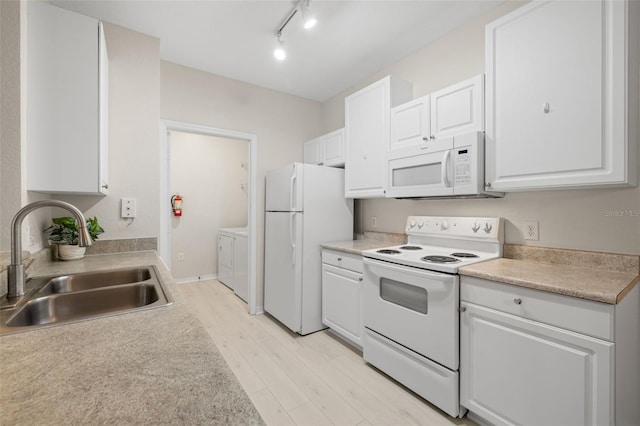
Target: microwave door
[423,175]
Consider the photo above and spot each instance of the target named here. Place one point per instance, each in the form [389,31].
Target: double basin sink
[76,297]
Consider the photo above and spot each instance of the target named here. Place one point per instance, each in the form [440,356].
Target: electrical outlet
[374,221]
[128,208]
[531,231]
[180,256]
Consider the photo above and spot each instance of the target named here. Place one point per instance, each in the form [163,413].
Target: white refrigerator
[305,206]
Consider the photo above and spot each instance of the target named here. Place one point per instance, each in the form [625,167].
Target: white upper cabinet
[311,152]
[326,150]
[367,133]
[333,148]
[562,96]
[66,120]
[410,127]
[458,108]
[420,126]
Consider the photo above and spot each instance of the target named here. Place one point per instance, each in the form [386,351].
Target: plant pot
[70,252]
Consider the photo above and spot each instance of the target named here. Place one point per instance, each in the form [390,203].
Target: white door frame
[164,242]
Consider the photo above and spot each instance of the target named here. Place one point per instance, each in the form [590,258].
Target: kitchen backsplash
[383,236]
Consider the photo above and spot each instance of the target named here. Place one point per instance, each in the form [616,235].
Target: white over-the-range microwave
[440,168]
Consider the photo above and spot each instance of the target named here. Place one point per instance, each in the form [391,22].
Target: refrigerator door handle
[291,237]
[292,189]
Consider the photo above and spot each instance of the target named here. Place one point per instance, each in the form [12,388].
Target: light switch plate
[128,207]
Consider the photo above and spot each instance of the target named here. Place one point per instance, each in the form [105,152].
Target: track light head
[279,53]
[308,19]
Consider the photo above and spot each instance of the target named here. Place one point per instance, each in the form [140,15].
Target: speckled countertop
[601,277]
[157,366]
[367,241]
[356,246]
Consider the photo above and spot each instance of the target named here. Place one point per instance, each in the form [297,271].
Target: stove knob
[476,227]
[445,225]
[487,227]
[412,224]
[420,224]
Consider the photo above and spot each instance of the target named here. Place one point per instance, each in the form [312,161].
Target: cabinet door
[333,148]
[65,96]
[409,127]
[556,97]
[517,371]
[241,267]
[312,151]
[367,135]
[342,302]
[458,108]
[103,140]
[225,259]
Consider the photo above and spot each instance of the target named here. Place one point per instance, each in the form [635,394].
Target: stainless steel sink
[77,297]
[93,280]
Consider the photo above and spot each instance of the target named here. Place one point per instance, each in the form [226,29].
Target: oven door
[415,308]
[424,175]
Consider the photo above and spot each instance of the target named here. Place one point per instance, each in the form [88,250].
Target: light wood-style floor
[303,380]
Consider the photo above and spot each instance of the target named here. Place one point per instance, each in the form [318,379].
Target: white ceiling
[235,38]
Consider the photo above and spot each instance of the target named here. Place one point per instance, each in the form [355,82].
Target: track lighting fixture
[308,22]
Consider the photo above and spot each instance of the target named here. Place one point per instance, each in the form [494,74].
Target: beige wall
[211,175]
[575,219]
[134,135]
[281,123]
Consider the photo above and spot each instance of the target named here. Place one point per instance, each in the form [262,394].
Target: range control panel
[489,228]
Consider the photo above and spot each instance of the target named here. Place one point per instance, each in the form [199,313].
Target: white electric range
[411,300]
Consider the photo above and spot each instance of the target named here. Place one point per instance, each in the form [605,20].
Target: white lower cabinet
[342,294]
[530,357]
[517,371]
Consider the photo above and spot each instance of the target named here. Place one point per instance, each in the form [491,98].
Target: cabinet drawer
[571,313]
[352,262]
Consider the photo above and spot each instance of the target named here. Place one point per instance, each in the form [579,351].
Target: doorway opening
[249,187]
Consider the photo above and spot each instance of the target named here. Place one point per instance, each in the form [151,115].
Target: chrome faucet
[16,274]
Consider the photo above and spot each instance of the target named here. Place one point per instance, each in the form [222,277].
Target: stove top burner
[464,255]
[440,259]
[388,251]
[410,248]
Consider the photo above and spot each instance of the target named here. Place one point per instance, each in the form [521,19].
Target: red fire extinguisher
[176,205]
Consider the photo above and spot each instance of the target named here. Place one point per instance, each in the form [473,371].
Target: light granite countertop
[157,366]
[356,246]
[599,285]
[601,277]
[367,241]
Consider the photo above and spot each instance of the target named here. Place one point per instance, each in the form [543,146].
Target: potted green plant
[64,233]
